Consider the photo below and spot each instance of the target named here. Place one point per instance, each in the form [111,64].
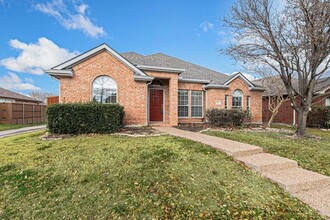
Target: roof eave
[160,69]
[84,56]
[187,80]
[216,87]
[261,89]
[143,78]
[59,73]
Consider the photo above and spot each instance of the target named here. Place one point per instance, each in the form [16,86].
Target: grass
[118,177]
[311,153]
[4,127]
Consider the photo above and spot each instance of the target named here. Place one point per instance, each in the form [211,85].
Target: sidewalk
[310,187]
[13,132]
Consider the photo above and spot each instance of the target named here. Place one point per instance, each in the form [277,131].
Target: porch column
[173,100]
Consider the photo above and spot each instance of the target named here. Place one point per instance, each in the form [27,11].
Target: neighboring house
[154,89]
[10,96]
[286,113]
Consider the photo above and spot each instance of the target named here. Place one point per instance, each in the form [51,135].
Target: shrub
[319,117]
[84,118]
[227,117]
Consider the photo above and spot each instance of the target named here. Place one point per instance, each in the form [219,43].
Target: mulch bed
[131,132]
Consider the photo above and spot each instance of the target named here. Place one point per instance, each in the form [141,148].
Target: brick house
[7,96]
[286,113]
[154,89]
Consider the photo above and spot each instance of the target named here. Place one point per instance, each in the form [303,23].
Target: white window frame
[232,101]
[191,106]
[327,101]
[188,94]
[248,103]
[109,96]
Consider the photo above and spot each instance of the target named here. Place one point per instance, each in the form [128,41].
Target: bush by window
[104,90]
[85,118]
[227,117]
[319,117]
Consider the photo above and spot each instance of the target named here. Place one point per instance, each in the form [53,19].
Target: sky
[37,35]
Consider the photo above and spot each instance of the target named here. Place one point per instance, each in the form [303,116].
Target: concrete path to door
[13,132]
[310,187]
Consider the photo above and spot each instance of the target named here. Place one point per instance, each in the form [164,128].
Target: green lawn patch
[109,177]
[312,153]
[4,127]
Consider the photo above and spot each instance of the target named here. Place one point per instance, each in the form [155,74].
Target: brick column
[173,96]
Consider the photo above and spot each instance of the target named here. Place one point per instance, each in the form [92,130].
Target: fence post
[32,113]
[23,113]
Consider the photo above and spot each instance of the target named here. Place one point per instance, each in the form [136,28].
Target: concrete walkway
[310,187]
[13,132]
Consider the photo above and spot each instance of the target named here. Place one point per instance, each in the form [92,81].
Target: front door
[156,105]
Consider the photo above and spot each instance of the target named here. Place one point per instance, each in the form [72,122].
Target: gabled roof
[4,93]
[139,63]
[192,71]
[63,69]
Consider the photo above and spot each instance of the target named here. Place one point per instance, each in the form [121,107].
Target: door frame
[163,90]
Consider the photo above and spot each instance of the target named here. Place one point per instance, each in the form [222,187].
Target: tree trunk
[270,121]
[302,122]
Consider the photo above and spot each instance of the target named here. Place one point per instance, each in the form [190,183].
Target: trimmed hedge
[83,118]
[319,117]
[227,117]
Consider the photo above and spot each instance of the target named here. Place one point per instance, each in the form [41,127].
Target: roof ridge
[149,56]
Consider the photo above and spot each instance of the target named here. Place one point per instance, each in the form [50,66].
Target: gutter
[187,80]
[215,87]
[59,73]
[143,78]
[160,69]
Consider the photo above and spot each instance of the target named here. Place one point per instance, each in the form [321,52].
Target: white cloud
[35,58]
[206,26]
[12,82]
[77,20]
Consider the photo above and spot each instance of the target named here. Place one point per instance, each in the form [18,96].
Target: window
[104,90]
[327,101]
[196,104]
[237,99]
[248,100]
[226,101]
[183,103]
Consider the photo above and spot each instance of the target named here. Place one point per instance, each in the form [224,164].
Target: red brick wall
[285,113]
[130,94]
[171,95]
[216,98]
[133,95]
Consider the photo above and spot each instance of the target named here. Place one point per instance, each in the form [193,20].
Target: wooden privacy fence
[52,100]
[22,113]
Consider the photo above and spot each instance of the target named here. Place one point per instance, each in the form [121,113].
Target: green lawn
[4,127]
[312,153]
[107,177]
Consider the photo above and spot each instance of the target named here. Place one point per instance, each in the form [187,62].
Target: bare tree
[275,93]
[294,42]
[41,96]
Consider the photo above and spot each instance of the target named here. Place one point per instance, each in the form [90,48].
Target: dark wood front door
[156,105]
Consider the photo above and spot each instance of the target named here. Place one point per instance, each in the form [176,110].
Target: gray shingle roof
[193,71]
[4,93]
[275,83]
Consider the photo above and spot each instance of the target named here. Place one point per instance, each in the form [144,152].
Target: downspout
[206,103]
[294,118]
[147,100]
